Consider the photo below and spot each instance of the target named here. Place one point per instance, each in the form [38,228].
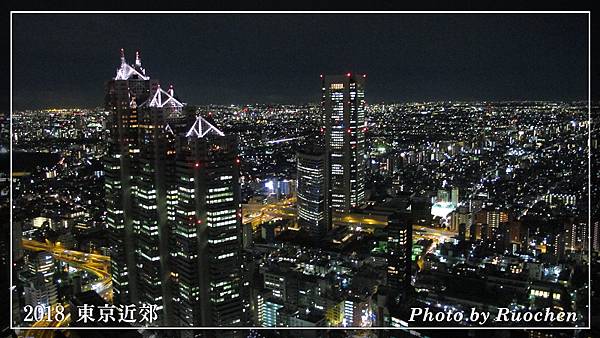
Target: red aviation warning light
[348,74]
[197,165]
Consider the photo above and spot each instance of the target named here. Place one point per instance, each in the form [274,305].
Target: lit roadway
[435,234]
[94,263]
[258,213]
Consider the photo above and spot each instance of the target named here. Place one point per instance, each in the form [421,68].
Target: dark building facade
[399,251]
[312,215]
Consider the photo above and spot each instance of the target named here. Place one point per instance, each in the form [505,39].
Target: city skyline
[185,234]
[418,57]
[339,211]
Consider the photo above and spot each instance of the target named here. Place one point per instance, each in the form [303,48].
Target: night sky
[64,60]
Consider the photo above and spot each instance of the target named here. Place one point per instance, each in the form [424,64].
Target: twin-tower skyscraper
[173,205]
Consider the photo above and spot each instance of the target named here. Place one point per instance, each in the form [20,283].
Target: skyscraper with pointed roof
[129,86]
[173,205]
[207,229]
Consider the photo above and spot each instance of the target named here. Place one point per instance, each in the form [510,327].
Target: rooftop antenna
[138,59]
[158,96]
[125,71]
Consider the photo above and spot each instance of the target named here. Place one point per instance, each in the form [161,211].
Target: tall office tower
[207,229]
[312,215]
[576,236]
[455,199]
[123,92]
[399,246]
[343,102]
[494,217]
[173,206]
[151,197]
[38,279]
[595,234]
